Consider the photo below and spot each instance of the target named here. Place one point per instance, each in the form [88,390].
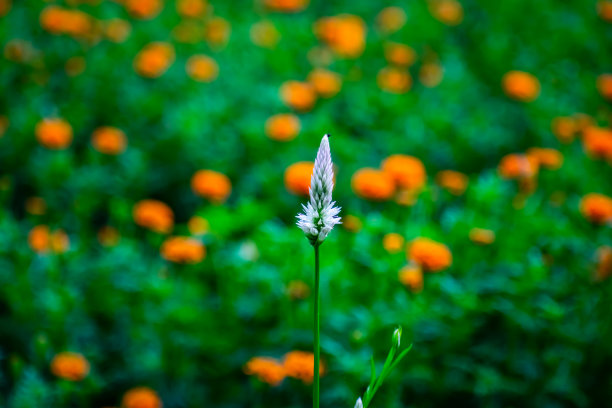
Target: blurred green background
[521,320]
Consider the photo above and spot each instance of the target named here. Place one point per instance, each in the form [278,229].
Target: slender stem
[315,390]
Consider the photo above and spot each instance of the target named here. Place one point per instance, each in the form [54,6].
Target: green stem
[315,390]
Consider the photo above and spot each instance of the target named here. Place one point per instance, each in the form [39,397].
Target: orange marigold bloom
[300,365]
[351,223]
[482,236]
[394,80]
[39,238]
[202,68]
[36,205]
[286,6]
[266,369]
[344,34]
[604,85]
[453,181]
[400,54]
[431,255]
[604,9]
[390,19]
[183,250]
[518,166]
[597,142]
[143,9]
[70,366]
[52,19]
[604,263]
[407,172]
[597,208]
[298,95]
[5,6]
[217,32]
[297,178]
[298,289]
[109,140]
[283,127]
[449,12]
[198,225]
[141,397]
[154,59]
[326,83]
[393,243]
[154,215]
[117,30]
[373,184]
[54,133]
[411,276]
[547,158]
[108,236]
[191,8]
[564,128]
[212,185]
[59,241]
[521,86]
[264,34]
[431,74]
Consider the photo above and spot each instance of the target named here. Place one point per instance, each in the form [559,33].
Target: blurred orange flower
[351,223]
[143,9]
[453,181]
[298,95]
[431,74]
[604,9]
[604,263]
[597,208]
[183,250]
[518,166]
[547,158]
[57,20]
[217,32]
[393,242]
[399,54]
[212,185]
[70,366]
[564,128]
[597,142]
[202,68]
[283,127]
[266,369]
[406,171]
[109,140]
[449,12]
[54,133]
[154,215]
[344,34]
[36,205]
[286,6]
[326,83]
[154,59]
[19,50]
[411,276]
[298,289]
[191,8]
[117,30]
[297,178]
[141,397]
[431,255]
[482,236]
[5,7]
[394,80]
[604,85]
[373,184]
[39,238]
[198,225]
[390,19]
[59,241]
[264,34]
[521,86]
[300,365]
[108,236]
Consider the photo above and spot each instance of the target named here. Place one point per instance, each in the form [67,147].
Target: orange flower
[597,208]
[453,181]
[393,243]
[154,59]
[38,238]
[20,51]
[59,241]
[57,20]
[344,34]
[54,134]
[431,74]
[298,95]
[286,6]
[407,172]
[264,34]
[326,83]
[604,83]
[521,86]
[351,223]
[36,205]
[564,128]
[399,54]
[597,142]
[547,158]
[283,127]
[198,225]
[183,250]
[431,255]
[5,7]
[212,185]
[108,236]
[411,276]
[70,366]
[448,12]
[604,263]
[109,140]
[604,9]
[300,365]
[390,19]
[141,397]
[482,236]
[394,80]
[191,8]
[298,289]
[154,215]
[266,369]
[202,68]
[117,30]
[373,184]
[518,166]
[297,178]
[143,9]
[217,32]
[52,19]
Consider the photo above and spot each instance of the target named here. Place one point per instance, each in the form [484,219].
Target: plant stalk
[315,390]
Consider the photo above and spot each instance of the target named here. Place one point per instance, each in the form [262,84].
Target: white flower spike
[320,214]
[359,404]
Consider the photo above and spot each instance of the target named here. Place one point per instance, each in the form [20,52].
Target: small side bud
[359,404]
[397,337]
